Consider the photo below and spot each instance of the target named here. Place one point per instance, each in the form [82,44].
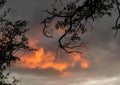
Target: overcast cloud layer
[102,50]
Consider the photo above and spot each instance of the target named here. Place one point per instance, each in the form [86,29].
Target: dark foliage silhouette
[12,40]
[75,18]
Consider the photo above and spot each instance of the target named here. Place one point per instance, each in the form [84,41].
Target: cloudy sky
[99,66]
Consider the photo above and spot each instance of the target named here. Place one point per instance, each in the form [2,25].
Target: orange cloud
[44,60]
[84,63]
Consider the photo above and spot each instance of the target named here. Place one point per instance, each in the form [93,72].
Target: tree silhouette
[74,19]
[12,40]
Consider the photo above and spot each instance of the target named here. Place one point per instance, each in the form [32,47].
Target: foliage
[5,79]
[74,18]
[12,40]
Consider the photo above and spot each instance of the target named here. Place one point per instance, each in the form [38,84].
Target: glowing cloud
[44,60]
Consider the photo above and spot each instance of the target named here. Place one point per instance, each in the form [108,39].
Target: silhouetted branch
[117,26]
[72,20]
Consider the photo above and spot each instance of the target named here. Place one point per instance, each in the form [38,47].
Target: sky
[99,66]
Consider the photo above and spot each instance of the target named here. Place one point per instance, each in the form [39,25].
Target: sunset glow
[44,60]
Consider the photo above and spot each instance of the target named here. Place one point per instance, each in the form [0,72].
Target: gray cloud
[102,49]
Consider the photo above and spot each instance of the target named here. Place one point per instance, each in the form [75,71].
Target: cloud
[28,9]
[102,51]
[103,81]
[45,60]
[72,80]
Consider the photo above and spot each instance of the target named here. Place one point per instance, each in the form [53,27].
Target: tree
[12,40]
[74,17]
